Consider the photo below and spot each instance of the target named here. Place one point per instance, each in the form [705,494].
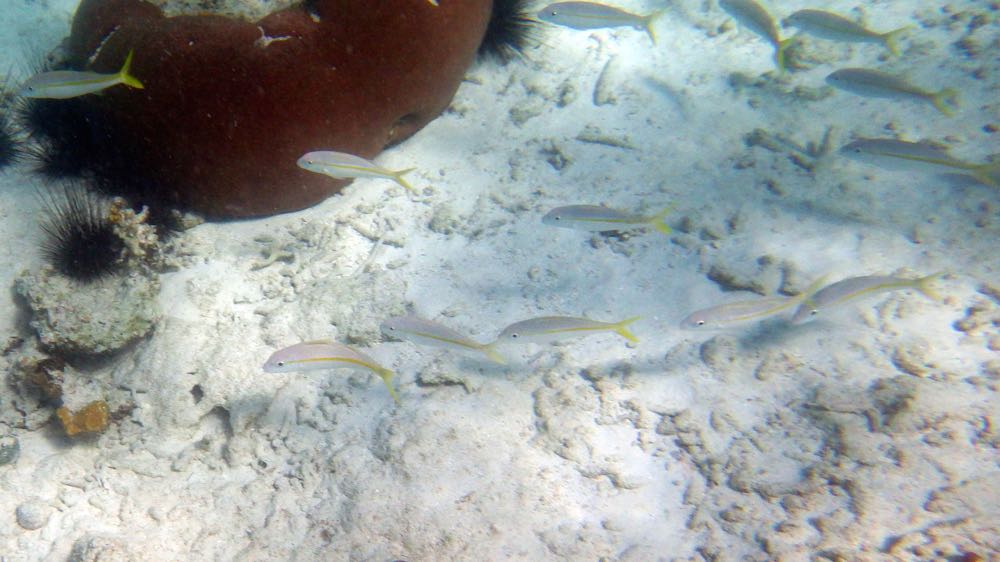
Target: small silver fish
[66,84]
[594,218]
[831,26]
[326,354]
[877,84]
[426,332]
[754,17]
[553,328]
[741,312]
[590,15]
[341,165]
[895,154]
[857,287]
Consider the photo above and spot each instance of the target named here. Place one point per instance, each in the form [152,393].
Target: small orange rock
[93,418]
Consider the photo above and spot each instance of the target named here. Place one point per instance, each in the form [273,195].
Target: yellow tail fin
[127,78]
[926,285]
[813,288]
[891,39]
[493,354]
[624,332]
[387,375]
[657,221]
[398,176]
[648,22]
[988,174]
[946,101]
[779,51]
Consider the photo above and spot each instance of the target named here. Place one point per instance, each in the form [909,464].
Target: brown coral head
[229,105]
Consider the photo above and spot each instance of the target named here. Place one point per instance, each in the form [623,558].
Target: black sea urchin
[10,143]
[80,240]
[62,134]
[510,31]
[10,150]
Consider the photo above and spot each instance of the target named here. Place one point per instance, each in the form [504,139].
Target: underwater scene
[484,280]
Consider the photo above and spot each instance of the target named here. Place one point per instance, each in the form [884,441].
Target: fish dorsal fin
[319,342]
[933,145]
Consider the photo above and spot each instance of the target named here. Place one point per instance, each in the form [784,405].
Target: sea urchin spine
[512,28]
[80,240]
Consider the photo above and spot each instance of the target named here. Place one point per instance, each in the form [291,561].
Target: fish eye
[557,217]
[814,312]
[701,322]
[281,363]
[513,336]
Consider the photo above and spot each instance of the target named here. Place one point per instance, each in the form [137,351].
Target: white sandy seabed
[871,434]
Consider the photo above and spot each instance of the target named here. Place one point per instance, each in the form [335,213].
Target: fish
[877,84]
[591,15]
[552,328]
[742,312]
[754,17]
[66,84]
[919,156]
[326,354]
[827,25]
[340,165]
[857,287]
[596,218]
[426,332]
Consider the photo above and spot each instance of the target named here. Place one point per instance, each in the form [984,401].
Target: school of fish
[815,301]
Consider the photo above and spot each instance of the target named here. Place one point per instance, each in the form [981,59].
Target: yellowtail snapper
[547,329]
[754,17]
[591,15]
[826,25]
[326,354]
[918,156]
[66,84]
[426,332]
[595,218]
[857,287]
[877,84]
[742,312]
[341,165]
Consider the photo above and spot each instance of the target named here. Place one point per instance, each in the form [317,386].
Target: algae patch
[93,418]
